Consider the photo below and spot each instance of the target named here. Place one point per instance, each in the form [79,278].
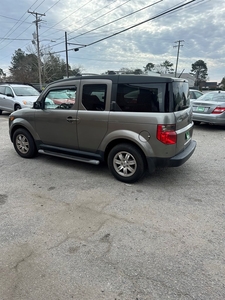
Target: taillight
[218,110]
[166,134]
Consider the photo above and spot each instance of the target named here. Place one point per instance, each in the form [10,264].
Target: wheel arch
[25,126]
[118,141]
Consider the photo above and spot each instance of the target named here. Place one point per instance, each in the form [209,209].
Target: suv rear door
[93,113]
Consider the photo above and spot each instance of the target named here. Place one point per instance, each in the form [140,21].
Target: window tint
[141,97]
[94,96]
[180,96]
[60,98]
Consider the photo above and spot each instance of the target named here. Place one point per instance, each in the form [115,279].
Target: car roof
[122,78]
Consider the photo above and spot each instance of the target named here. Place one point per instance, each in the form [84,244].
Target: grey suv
[133,122]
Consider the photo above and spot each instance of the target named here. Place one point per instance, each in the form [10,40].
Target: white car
[16,96]
[194,94]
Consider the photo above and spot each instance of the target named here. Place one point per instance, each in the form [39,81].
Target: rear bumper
[210,118]
[174,161]
[183,156]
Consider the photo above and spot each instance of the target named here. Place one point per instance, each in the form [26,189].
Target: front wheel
[17,107]
[126,163]
[24,143]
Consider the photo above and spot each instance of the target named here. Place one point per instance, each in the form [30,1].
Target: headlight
[25,102]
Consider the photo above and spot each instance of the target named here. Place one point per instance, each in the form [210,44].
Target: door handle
[71,119]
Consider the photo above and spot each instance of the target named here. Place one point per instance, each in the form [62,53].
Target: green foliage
[167,67]
[2,74]
[223,83]
[199,69]
[24,67]
[149,67]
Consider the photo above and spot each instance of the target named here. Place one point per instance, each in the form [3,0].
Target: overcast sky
[199,25]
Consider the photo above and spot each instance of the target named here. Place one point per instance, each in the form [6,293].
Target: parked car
[194,94]
[16,96]
[210,108]
[134,123]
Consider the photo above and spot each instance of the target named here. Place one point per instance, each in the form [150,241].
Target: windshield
[25,91]
[218,97]
[181,98]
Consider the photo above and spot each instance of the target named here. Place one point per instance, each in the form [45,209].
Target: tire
[0,111]
[197,122]
[17,107]
[24,143]
[126,163]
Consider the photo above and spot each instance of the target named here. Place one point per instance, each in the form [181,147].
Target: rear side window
[94,96]
[141,97]
[181,98]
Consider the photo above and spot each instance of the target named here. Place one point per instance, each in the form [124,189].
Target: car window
[141,97]
[60,98]
[213,97]
[8,91]
[25,91]
[94,96]
[2,90]
[198,94]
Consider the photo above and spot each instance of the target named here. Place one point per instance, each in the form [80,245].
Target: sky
[115,34]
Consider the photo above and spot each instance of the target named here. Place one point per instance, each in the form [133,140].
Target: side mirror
[37,105]
[10,95]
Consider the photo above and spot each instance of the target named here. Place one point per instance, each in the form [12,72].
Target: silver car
[16,96]
[210,108]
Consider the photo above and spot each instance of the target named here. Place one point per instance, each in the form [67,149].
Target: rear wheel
[126,163]
[0,111]
[24,143]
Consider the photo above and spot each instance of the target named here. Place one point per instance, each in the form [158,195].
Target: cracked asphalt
[69,230]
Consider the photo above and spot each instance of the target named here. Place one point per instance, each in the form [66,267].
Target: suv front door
[56,123]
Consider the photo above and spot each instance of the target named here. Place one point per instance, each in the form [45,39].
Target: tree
[24,67]
[149,67]
[223,83]
[2,74]
[199,69]
[167,67]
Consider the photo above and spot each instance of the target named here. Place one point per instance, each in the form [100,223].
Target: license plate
[200,108]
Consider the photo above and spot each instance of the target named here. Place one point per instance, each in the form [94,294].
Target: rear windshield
[181,98]
[218,97]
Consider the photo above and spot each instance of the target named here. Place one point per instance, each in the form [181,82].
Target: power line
[140,23]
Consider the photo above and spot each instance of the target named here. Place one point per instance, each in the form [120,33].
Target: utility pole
[178,51]
[37,20]
[67,63]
